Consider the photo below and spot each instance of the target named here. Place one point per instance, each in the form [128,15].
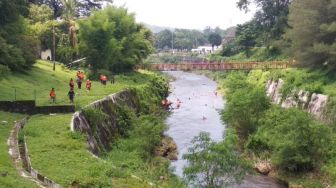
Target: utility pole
[54,49]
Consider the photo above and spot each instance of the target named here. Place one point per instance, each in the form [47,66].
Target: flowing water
[198,111]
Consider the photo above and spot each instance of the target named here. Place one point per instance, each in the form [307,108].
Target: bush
[214,164]
[94,116]
[4,71]
[125,120]
[245,105]
[295,140]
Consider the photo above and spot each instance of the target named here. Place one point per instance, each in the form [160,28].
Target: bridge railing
[221,66]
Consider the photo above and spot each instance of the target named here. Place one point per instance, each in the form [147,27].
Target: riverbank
[255,143]
[62,155]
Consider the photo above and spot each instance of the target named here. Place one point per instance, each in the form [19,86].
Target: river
[199,111]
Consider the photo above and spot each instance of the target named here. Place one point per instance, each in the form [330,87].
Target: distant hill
[157,29]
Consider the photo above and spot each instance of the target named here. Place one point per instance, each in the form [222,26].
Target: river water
[199,111]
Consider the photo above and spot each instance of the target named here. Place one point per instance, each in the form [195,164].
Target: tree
[212,164]
[111,39]
[84,7]
[313,32]
[69,14]
[272,16]
[163,39]
[215,39]
[40,14]
[18,49]
[246,36]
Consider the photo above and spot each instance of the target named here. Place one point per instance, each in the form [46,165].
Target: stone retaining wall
[101,135]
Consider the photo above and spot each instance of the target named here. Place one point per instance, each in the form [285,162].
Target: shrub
[213,164]
[4,71]
[296,141]
[95,116]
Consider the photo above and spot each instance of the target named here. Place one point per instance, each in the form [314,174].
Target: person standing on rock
[71,95]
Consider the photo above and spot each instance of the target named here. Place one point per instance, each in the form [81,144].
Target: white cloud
[190,14]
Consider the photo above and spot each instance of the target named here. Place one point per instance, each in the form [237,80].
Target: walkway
[191,66]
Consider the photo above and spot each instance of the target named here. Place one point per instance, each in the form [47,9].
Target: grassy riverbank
[278,135]
[62,155]
[41,78]
[66,160]
[9,177]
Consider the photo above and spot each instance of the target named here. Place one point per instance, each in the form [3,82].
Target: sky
[187,14]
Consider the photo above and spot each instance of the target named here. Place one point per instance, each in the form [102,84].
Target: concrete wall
[29,107]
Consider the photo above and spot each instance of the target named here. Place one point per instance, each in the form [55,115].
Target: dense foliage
[83,7]
[291,138]
[313,32]
[246,104]
[294,140]
[18,49]
[111,39]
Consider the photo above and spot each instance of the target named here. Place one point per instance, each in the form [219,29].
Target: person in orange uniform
[78,73]
[104,79]
[52,95]
[88,84]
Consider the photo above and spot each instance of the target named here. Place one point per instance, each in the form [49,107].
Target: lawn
[66,160]
[37,83]
[9,177]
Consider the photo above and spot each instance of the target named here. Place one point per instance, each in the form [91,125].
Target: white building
[46,55]
[204,49]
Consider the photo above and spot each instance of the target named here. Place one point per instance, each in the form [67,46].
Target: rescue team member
[88,84]
[79,83]
[52,96]
[103,79]
[71,84]
[71,95]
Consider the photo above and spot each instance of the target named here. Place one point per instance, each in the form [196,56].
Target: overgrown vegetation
[133,149]
[291,139]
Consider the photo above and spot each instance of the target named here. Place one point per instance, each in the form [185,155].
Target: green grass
[40,79]
[63,157]
[9,177]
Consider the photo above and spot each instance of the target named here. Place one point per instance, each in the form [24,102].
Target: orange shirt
[88,83]
[52,93]
[104,78]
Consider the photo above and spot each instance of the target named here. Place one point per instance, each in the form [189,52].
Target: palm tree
[69,14]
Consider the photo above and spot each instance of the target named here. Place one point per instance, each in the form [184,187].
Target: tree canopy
[111,39]
[215,39]
[313,32]
[18,49]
